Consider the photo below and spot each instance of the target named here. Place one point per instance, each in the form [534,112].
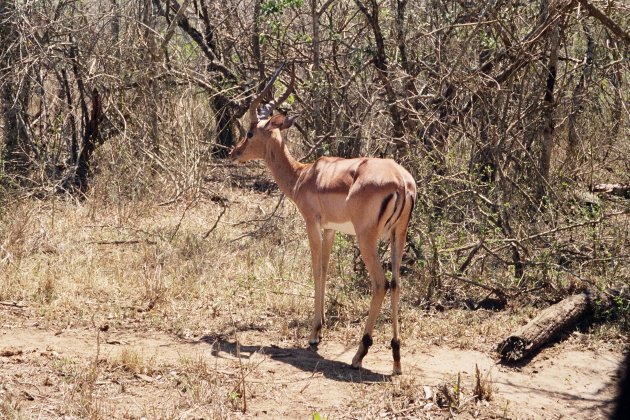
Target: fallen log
[552,321]
[620,190]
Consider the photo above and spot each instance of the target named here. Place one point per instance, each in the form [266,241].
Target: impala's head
[259,136]
[262,125]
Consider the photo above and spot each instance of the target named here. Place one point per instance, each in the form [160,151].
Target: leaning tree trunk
[226,110]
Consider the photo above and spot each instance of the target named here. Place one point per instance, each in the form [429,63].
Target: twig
[495,290]
[13,304]
[606,21]
[575,225]
[405,410]
[171,29]
[510,241]
[571,273]
[265,220]
[127,242]
[216,222]
[181,219]
[462,268]
[240,363]
[132,229]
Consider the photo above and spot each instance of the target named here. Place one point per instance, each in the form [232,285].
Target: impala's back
[351,195]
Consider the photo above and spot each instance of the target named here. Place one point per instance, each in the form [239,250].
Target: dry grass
[153,265]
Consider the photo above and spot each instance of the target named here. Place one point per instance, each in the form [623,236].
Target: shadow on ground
[305,359]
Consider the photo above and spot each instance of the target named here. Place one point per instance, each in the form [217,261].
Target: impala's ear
[280,121]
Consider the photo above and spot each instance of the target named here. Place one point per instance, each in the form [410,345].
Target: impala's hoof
[316,335]
[397,370]
[366,343]
[396,353]
[315,338]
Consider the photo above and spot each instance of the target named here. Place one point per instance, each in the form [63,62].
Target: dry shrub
[483,387]
[15,232]
[450,395]
[86,401]
[9,404]
[132,361]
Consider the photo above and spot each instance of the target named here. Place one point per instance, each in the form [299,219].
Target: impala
[367,197]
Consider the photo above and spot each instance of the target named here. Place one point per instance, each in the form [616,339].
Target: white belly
[346,227]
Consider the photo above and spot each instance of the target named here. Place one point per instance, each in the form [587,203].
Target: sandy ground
[284,380]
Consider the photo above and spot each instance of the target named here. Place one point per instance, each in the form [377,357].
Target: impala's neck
[284,168]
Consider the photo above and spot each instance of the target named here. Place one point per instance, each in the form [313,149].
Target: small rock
[428,393]
[144,377]
[10,352]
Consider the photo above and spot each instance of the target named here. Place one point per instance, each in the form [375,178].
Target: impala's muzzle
[236,153]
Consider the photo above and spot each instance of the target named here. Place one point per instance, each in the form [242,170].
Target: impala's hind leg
[398,236]
[367,246]
[397,244]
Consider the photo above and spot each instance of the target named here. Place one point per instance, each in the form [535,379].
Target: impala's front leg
[327,244]
[315,242]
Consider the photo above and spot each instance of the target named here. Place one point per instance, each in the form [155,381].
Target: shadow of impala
[305,359]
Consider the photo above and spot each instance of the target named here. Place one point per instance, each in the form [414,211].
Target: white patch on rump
[345,227]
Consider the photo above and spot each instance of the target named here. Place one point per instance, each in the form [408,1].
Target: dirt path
[41,370]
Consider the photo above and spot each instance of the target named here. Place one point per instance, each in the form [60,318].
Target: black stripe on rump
[402,207]
[384,205]
[394,211]
[413,204]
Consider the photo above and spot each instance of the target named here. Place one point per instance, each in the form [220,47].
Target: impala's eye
[250,134]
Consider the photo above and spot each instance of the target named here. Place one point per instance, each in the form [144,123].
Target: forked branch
[268,109]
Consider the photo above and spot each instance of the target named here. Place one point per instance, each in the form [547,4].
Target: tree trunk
[620,190]
[548,113]
[14,99]
[16,145]
[317,96]
[225,126]
[382,70]
[226,111]
[90,138]
[484,161]
[578,99]
[148,18]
